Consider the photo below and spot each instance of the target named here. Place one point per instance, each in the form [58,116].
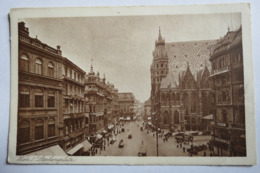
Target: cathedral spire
[160,40]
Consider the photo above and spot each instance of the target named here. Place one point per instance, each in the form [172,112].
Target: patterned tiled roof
[181,54]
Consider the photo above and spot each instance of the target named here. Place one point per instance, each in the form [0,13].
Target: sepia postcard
[160,85]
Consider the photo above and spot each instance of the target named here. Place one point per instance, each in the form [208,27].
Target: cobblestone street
[131,146]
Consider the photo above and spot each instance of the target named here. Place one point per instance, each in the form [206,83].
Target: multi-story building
[228,83]
[75,125]
[101,101]
[147,110]
[181,94]
[40,118]
[126,105]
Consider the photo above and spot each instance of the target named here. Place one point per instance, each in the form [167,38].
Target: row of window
[167,97]
[25,130]
[73,75]
[73,106]
[38,65]
[72,89]
[166,118]
[161,65]
[73,125]
[25,98]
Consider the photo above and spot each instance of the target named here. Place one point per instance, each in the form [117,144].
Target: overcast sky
[121,47]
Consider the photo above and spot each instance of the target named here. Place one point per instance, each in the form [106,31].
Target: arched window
[173,97]
[224,116]
[38,66]
[186,102]
[50,70]
[51,127]
[168,98]
[176,117]
[51,99]
[224,96]
[193,103]
[38,98]
[39,129]
[24,63]
[163,97]
[177,97]
[24,97]
[166,118]
[23,132]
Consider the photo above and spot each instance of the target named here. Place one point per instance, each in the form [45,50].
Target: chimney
[59,51]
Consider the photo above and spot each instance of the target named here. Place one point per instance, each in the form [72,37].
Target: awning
[55,150]
[208,117]
[149,123]
[75,149]
[149,118]
[104,131]
[86,146]
[99,136]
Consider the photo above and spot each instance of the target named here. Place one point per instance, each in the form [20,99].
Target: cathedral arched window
[176,117]
[193,103]
[166,118]
[173,97]
[38,66]
[24,63]
[163,98]
[224,96]
[224,116]
[177,97]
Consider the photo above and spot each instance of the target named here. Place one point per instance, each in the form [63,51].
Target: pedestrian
[211,154]
[96,150]
[204,153]
[184,149]
[166,139]
[177,145]
[153,134]
[163,139]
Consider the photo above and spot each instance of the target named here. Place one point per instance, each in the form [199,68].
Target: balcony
[220,71]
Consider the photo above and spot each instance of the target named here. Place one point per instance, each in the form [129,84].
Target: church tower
[159,69]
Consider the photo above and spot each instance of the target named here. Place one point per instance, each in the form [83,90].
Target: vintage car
[129,136]
[142,151]
[121,143]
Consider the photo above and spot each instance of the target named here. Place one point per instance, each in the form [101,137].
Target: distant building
[181,94]
[75,126]
[101,103]
[228,83]
[40,103]
[126,105]
[147,109]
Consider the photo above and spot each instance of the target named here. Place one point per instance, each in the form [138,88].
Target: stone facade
[126,105]
[228,84]
[101,99]
[75,127]
[40,119]
[181,94]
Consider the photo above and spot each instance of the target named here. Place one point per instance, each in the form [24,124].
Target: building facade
[181,94]
[101,101]
[228,84]
[40,117]
[126,105]
[75,127]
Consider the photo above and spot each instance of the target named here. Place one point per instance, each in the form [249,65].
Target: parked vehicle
[121,143]
[142,151]
[130,136]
